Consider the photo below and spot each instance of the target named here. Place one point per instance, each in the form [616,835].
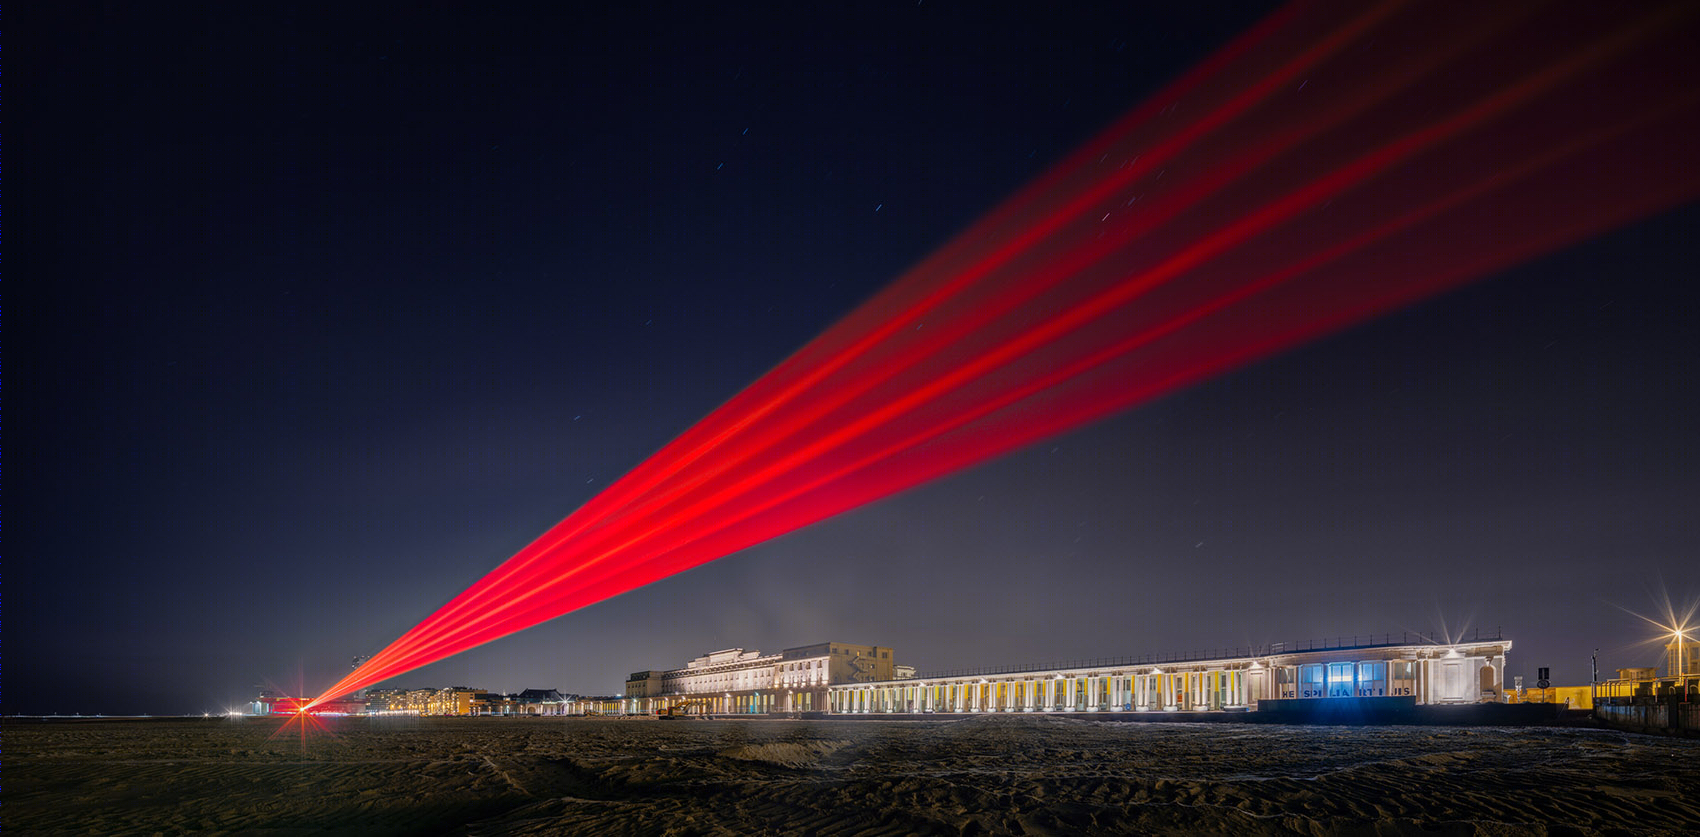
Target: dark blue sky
[327,312]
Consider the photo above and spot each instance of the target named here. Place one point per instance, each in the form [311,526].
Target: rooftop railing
[1668,689]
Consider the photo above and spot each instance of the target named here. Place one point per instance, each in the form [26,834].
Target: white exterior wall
[1465,673]
[732,670]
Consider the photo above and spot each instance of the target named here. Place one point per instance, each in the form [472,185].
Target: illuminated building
[1573,697]
[497,704]
[455,700]
[268,701]
[1431,673]
[736,681]
[385,701]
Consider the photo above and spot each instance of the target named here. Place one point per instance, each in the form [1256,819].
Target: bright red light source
[1335,162]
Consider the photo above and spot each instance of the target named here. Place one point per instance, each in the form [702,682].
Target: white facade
[745,682]
[804,673]
[732,670]
[739,681]
[1431,673]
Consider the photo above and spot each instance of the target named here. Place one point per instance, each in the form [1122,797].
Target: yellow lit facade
[1682,657]
[457,700]
[1573,697]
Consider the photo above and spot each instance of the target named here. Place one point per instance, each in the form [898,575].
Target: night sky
[327,311]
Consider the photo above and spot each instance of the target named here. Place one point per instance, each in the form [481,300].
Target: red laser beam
[1334,162]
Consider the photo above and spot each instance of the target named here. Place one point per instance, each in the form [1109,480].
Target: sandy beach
[992,775]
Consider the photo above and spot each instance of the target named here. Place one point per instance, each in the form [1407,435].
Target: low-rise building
[455,700]
[1432,673]
[540,702]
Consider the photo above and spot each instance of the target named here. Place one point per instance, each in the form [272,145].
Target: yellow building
[1573,697]
[455,700]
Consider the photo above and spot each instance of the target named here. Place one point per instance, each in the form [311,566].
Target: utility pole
[1594,681]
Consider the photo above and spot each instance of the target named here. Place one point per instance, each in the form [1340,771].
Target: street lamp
[1677,635]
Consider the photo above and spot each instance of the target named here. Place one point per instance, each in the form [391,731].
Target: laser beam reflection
[1334,162]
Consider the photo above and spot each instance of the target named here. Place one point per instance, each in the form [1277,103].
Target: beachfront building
[1389,666]
[528,702]
[455,700]
[736,681]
